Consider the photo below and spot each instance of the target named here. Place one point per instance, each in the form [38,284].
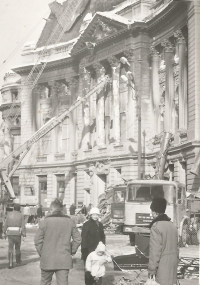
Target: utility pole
[139,118]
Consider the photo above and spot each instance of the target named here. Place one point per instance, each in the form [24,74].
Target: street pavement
[29,272]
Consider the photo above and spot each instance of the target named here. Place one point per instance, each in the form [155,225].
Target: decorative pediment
[99,29]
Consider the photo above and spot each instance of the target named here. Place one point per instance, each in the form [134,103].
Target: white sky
[17,19]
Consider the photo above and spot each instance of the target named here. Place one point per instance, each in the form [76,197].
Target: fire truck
[131,206]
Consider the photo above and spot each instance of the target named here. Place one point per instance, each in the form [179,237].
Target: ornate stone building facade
[155,45]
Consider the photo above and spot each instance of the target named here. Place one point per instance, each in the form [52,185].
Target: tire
[132,239]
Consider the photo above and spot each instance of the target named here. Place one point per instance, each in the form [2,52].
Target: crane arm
[51,124]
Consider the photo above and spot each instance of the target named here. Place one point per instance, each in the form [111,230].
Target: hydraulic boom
[24,148]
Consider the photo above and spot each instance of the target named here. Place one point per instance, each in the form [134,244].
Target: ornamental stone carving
[102,168]
[100,70]
[167,45]
[179,36]
[153,51]
[103,30]
[113,61]
[129,54]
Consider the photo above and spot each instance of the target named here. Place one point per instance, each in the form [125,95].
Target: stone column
[155,90]
[100,118]
[86,109]
[73,116]
[131,100]
[54,144]
[92,114]
[181,42]
[169,91]
[26,113]
[193,72]
[115,64]
[108,107]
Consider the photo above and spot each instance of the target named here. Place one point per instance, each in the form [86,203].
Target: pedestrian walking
[27,213]
[164,253]
[72,209]
[39,213]
[64,209]
[54,246]
[94,266]
[92,233]
[84,210]
[14,228]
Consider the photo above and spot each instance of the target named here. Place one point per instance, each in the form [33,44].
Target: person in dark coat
[54,246]
[84,210]
[39,212]
[72,209]
[92,233]
[14,228]
[163,252]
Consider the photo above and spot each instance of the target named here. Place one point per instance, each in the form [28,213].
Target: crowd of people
[57,240]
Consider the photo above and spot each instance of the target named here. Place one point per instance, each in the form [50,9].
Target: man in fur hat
[163,252]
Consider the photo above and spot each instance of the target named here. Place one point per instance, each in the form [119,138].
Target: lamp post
[130,79]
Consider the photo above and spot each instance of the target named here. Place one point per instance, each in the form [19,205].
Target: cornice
[184,146]
[51,65]
[8,105]
[161,17]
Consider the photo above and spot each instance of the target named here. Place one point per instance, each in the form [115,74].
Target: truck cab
[131,204]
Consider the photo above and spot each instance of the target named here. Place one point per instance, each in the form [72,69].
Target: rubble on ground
[104,205]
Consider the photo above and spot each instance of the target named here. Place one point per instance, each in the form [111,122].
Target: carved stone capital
[99,68]
[167,45]
[179,36]
[72,81]
[153,52]
[82,70]
[113,61]
[129,54]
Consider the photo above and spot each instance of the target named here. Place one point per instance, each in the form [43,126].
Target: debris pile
[188,268]
[104,205]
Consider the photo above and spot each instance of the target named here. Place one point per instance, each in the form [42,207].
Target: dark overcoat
[91,234]
[164,252]
[53,241]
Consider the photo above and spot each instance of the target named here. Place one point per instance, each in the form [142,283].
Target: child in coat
[94,265]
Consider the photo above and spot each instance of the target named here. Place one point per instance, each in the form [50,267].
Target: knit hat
[158,205]
[94,211]
[100,247]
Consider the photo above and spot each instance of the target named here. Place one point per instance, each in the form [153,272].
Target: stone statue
[5,127]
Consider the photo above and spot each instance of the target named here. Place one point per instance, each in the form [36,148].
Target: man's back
[53,241]
[14,219]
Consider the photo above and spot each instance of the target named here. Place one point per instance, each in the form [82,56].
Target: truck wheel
[183,238]
[132,239]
